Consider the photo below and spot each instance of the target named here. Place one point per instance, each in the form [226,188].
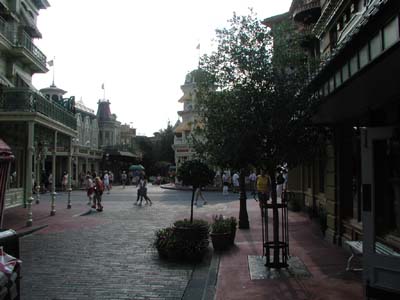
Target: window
[354,65]
[338,78]
[345,72]
[364,56]
[391,33]
[376,45]
[332,84]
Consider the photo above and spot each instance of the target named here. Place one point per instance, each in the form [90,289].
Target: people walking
[263,187]
[89,188]
[123,179]
[64,181]
[235,182]
[253,180]
[98,192]
[225,184]
[106,181]
[198,194]
[142,192]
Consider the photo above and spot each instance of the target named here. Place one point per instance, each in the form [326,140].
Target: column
[77,173]
[71,150]
[87,165]
[37,157]
[28,170]
[53,172]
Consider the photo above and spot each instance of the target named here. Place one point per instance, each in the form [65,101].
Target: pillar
[53,172]
[71,150]
[28,172]
[87,165]
[77,182]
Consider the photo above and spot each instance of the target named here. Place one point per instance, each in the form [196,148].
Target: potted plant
[221,233]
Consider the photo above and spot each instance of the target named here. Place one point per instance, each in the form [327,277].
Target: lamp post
[40,156]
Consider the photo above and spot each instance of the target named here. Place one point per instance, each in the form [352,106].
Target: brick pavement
[108,255]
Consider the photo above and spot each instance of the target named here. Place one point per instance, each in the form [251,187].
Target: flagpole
[54,69]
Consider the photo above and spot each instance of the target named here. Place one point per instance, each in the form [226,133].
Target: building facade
[184,129]
[46,127]
[356,180]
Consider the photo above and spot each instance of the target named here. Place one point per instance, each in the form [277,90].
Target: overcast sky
[140,50]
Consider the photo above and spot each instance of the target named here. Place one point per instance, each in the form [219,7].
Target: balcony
[27,100]
[307,11]
[29,53]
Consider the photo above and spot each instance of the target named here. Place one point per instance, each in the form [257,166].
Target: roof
[275,19]
[183,127]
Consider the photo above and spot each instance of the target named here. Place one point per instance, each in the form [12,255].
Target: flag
[50,63]
[198,47]
[102,86]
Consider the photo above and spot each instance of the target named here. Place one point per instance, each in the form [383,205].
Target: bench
[356,248]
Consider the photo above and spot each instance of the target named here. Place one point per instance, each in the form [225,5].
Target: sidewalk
[238,273]
[15,218]
[325,263]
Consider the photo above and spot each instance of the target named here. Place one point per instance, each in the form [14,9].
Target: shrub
[221,224]
[183,241]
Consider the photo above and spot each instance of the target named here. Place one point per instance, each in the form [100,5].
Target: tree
[196,174]
[250,102]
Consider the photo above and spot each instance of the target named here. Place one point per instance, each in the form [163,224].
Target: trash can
[5,162]
[10,282]
[9,240]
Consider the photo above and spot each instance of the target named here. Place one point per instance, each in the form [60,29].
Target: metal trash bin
[9,240]
[5,162]
[10,285]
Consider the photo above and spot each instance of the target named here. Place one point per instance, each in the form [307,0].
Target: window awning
[5,81]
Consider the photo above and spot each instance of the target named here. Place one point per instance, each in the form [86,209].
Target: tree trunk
[191,205]
[243,216]
[275,217]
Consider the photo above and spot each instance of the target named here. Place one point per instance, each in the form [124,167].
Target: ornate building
[184,129]
[357,181]
[46,127]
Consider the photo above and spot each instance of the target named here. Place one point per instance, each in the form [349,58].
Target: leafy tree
[196,174]
[250,102]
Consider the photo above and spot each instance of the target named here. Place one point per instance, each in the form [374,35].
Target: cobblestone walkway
[111,260]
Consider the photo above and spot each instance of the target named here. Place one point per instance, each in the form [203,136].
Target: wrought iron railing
[27,100]
[21,40]
[24,41]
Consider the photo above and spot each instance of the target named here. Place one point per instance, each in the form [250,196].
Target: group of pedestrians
[142,191]
[95,188]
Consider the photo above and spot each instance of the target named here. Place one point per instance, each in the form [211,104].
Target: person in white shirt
[106,182]
[235,182]
[253,180]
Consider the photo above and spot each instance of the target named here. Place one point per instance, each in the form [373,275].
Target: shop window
[354,65]
[390,33]
[376,45]
[345,72]
[338,78]
[332,84]
[364,56]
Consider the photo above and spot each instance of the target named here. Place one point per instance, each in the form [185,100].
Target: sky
[140,50]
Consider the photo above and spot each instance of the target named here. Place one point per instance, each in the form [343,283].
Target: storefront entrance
[380,150]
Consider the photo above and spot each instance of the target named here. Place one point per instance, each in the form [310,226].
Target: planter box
[221,241]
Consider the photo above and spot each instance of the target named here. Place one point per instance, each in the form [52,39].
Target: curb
[202,284]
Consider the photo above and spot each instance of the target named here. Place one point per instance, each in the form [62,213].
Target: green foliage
[197,223]
[184,241]
[249,100]
[221,224]
[195,173]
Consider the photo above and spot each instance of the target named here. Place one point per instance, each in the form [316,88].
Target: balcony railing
[22,40]
[306,8]
[27,100]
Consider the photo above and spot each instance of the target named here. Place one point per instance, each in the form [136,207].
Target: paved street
[109,255]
